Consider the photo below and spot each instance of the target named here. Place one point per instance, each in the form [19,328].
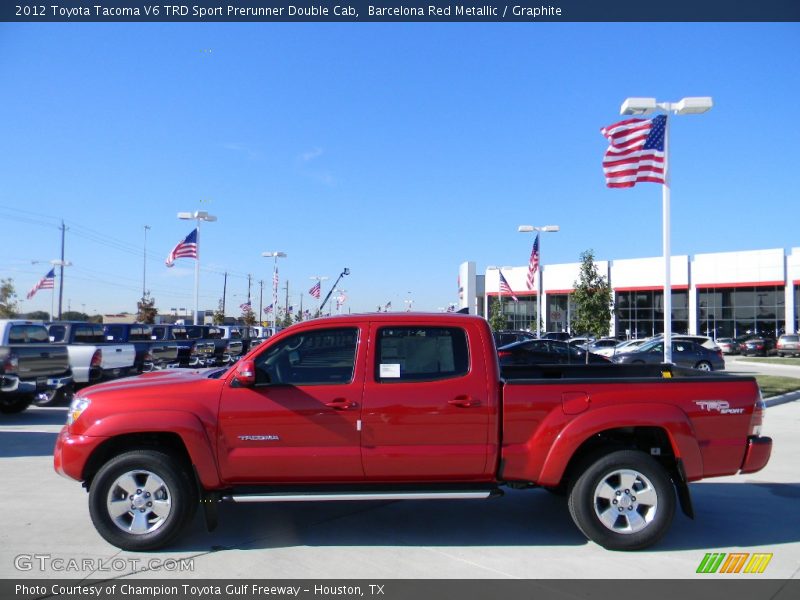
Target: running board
[345,496]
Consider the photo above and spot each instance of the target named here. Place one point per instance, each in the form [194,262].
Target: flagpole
[665,210]
[197,278]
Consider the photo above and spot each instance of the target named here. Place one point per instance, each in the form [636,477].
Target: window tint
[28,334]
[117,332]
[421,353]
[139,334]
[321,357]
[89,334]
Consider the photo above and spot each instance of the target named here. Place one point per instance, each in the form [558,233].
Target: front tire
[624,500]
[142,500]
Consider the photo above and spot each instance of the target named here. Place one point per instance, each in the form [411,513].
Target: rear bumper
[12,383]
[757,453]
[72,452]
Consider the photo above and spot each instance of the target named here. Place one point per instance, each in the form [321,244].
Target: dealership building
[724,294]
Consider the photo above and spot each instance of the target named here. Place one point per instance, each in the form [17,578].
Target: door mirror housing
[245,375]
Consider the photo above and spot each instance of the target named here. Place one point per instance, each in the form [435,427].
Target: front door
[300,421]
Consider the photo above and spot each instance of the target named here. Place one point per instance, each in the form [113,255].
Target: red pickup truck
[405,406]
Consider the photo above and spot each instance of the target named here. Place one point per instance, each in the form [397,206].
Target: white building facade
[723,294]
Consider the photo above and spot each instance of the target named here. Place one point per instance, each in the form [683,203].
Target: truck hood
[155,378]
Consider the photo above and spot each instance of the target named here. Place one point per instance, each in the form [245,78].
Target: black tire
[704,365]
[169,485]
[11,404]
[60,397]
[617,529]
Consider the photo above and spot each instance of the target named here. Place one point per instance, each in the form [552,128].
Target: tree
[592,298]
[36,315]
[248,317]
[497,320]
[146,310]
[219,315]
[8,299]
[74,315]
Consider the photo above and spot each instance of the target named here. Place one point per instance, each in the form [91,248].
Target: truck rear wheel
[624,500]
[14,403]
[142,500]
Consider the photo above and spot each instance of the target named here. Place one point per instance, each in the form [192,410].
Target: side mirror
[245,375]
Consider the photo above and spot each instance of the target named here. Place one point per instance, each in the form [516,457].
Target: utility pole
[144,263]
[249,277]
[260,300]
[224,293]
[286,306]
[61,270]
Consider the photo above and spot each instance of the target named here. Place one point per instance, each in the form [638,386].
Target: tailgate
[41,360]
[117,356]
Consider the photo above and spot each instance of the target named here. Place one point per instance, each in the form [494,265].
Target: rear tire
[704,365]
[11,404]
[624,500]
[142,500]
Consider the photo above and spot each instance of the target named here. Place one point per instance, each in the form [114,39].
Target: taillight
[97,358]
[757,420]
[11,363]
[504,354]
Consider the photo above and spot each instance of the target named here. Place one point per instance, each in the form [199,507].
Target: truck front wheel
[141,500]
[624,500]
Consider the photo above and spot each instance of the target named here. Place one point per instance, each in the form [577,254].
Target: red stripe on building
[741,285]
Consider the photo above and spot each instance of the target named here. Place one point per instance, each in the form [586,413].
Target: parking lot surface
[47,532]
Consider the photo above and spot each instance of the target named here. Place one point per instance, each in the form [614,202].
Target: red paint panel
[713,286]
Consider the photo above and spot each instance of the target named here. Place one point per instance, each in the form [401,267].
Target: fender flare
[671,419]
[186,425]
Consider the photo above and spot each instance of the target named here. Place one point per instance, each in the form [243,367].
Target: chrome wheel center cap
[139,501]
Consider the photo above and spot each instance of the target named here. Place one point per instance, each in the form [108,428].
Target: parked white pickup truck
[91,357]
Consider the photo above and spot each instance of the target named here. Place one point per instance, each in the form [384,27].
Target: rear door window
[421,354]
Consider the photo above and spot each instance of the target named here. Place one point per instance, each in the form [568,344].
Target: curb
[782,399]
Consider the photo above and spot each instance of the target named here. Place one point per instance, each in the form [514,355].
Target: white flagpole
[197,279]
[665,209]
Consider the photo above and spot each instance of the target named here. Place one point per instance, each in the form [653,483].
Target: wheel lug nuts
[630,508]
[618,493]
[633,498]
[138,491]
[613,501]
[147,494]
[141,510]
[620,509]
[149,504]
[627,491]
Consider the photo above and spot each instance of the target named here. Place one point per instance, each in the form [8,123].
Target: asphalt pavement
[47,532]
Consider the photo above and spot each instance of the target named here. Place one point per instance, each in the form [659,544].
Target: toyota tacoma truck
[29,365]
[405,406]
[151,355]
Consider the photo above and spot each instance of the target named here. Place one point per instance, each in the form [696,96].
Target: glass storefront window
[732,312]
[640,313]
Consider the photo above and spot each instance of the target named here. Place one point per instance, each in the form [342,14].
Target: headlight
[76,407]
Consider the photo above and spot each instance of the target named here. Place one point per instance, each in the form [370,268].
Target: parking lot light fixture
[198,215]
[541,324]
[693,105]
[275,256]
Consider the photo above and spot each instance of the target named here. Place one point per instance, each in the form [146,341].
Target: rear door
[300,423]
[427,405]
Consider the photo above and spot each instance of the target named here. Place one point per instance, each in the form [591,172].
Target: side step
[328,496]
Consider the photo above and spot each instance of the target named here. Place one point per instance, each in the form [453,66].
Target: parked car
[606,344]
[580,341]
[757,346]
[556,335]
[788,345]
[703,340]
[29,365]
[728,345]
[505,337]
[151,355]
[545,352]
[684,354]
[92,357]
[621,347]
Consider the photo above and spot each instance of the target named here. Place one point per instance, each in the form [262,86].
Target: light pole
[536,265]
[198,215]
[144,263]
[686,106]
[344,272]
[274,255]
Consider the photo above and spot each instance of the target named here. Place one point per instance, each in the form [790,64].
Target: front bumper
[72,452]
[757,453]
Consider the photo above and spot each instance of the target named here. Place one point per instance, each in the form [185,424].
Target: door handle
[464,402]
[341,404]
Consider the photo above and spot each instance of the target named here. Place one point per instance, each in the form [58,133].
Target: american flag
[388,306]
[451,308]
[635,152]
[246,306]
[45,283]
[291,310]
[268,309]
[533,263]
[315,290]
[186,248]
[505,288]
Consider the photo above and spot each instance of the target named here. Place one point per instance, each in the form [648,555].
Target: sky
[397,150]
